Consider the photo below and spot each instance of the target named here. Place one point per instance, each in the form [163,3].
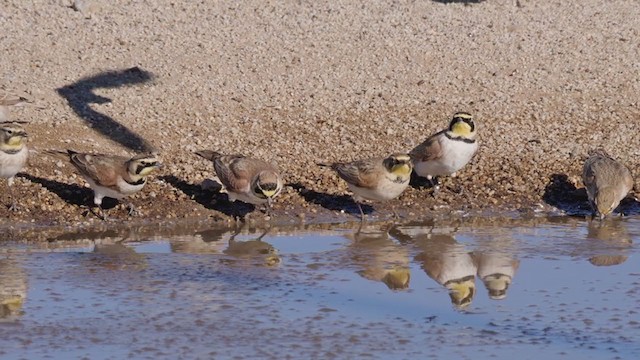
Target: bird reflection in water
[610,232]
[496,269]
[450,264]
[256,250]
[203,242]
[118,256]
[13,288]
[379,257]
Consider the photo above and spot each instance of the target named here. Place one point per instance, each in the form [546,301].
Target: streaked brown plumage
[606,180]
[375,179]
[247,179]
[111,175]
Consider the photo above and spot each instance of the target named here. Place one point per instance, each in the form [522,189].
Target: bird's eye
[10,132]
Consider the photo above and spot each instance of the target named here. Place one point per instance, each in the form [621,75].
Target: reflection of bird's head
[397,279]
[606,201]
[10,305]
[497,285]
[259,250]
[461,291]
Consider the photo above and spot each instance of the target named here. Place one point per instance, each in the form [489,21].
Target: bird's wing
[359,173]
[232,172]
[430,149]
[103,169]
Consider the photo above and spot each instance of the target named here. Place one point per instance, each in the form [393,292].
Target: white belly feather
[125,189]
[456,154]
[387,189]
[11,164]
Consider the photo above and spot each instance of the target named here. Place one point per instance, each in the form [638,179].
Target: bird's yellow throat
[461,129]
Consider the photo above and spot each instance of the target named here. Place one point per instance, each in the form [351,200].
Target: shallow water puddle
[470,288]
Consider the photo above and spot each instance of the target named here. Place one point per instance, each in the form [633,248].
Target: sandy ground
[297,82]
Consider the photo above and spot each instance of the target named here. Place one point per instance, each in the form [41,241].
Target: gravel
[298,83]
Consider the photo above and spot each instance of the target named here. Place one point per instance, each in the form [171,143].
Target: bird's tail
[60,154]
[208,154]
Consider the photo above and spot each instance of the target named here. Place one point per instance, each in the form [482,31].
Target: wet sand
[297,83]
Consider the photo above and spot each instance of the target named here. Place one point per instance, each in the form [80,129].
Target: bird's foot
[13,207]
[131,210]
[436,190]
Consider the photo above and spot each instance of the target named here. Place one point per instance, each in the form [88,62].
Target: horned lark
[448,263]
[13,154]
[111,175]
[607,182]
[8,100]
[375,179]
[255,249]
[447,151]
[496,270]
[246,179]
[379,257]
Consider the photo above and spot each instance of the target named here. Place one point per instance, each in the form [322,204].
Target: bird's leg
[395,213]
[359,228]
[265,232]
[131,210]
[435,185]
[97,200]
[13,206]
[268,207]
[103,213]
[361,212]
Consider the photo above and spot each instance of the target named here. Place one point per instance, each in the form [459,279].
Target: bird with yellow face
[249,180]
[111,176]
[375,179]
[13,154]
[447,151]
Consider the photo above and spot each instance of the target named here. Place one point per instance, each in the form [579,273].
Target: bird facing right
[111,175]
[375,179]
[447,151]
[607,182]
[247,179]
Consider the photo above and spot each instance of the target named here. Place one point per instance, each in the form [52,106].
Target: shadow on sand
[80,95]
[72,194]
[562,194]
[331,202]
[212,200]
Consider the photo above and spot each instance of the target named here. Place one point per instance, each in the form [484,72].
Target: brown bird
[375,179]
[246,179]
[607,182]
[111,175]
